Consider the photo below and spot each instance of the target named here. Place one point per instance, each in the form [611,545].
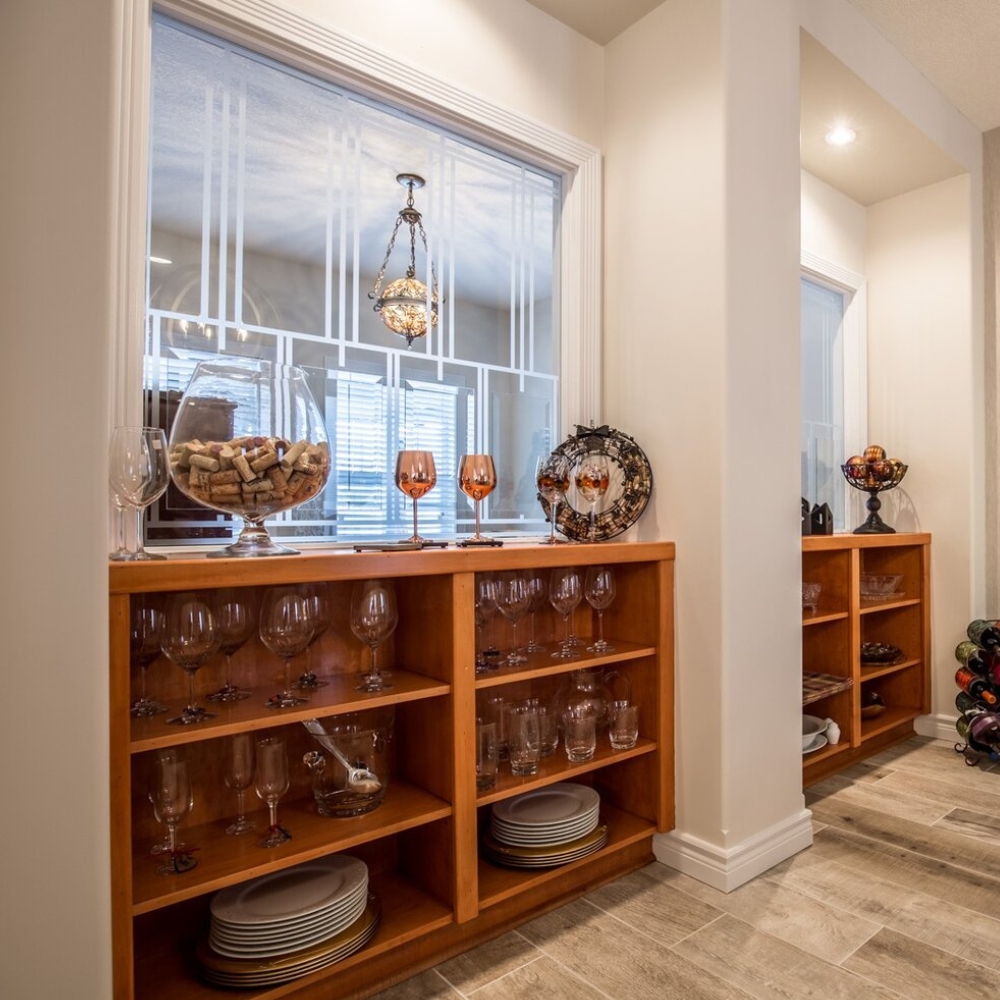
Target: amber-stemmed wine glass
[592,476]
[415,476]
[477,478]
[190,637]
[271,783]
[552,480]
[485,609]
[286,629]
[236,621]
[172,801]
[599,590]
[512,601]
[145,633]
[239,777]
[138,472]
[320,611]
[565,594]
[373,620]
[538,598]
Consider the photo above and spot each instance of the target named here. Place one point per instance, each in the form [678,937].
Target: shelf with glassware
[421,842]
[866,642]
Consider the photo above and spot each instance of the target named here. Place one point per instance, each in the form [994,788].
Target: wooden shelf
[544,664]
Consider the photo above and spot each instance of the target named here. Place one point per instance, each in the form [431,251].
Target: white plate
[553,805]
[555,836]
[817,744]
[290,928]
[288,895]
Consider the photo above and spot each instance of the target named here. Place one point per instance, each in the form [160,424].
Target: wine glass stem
[142,683]
[600,628]
[415,535]
[374,663]
[288,674]
[138,529]
[191,704]
[272,807]
[513,632]
[477,517]
[592,533]
[229,659]
[172,837]
[239,803]
[569,629]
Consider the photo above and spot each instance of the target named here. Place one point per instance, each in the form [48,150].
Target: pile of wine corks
[250,474]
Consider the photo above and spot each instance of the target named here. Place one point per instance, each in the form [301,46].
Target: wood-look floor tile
[971,823]
[919,971]
[982,795]
[935,758]
[488,961]
[542,979]
[423,986]
[631,966]
[768,969]
[881,796]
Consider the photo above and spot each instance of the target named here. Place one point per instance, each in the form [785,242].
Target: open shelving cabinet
[437,895]
[836,683]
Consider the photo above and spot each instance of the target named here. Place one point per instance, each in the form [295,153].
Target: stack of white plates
[548,826]
[287,923]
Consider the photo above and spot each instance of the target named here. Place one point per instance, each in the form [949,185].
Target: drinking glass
[564,595]
[512,602]
[145,633]
[271,783]
[623,730]
[415,476]
[373,620]
[524,739]
[477,478]
[487,754]
[235,620]
[599,589]
[552,480]
[485,609]
[592,476]
[580,733]
[320,611]
[538,598]
[239,777]
[190,637]
[172,801]
[138,472]
[285,629]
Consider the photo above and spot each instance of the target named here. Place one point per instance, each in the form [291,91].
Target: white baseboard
[938,727]
[728,868]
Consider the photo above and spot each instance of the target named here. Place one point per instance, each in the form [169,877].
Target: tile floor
[897,899]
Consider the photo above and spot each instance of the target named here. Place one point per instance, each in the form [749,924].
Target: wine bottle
[984,728]
[975,686]
[984,633]
[966,704]
[965,649]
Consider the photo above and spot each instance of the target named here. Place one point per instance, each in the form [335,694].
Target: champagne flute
[286,629]
[538,598]
[138,472]
[512,602]
[320,612]
[485,609]
[239,777]
[235,621]
[552,480]
[172,801]
[373,620]
[477,478]
[415,476]
[190,637]
[599,590]
[145,633]
[564,595]
[271,783]
[592,476]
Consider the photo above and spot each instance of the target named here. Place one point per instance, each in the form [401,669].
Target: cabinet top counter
[821,543]
[182,571]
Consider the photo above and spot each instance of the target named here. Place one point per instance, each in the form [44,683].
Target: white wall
[834,227]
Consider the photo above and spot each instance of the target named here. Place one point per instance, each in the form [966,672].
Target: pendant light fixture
[404,302]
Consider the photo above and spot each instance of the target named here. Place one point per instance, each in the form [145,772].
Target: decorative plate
[631,483]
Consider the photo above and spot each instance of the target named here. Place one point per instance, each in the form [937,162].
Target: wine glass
[145,633]
[373,619]
[564,595]
[477,478]
[320,611]
[592,476]
[286,628]
[271,783]
[485,609]
[552,480]
[538,598]
[172,801]
[121,551]
[599,590]
[190,637]
[512,602]
[138,472]
[235,621]
[415,476]
[239,777]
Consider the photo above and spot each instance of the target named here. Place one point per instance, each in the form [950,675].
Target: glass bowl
[276,455]
[879,585]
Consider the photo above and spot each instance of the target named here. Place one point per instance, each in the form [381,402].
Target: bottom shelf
[893,716]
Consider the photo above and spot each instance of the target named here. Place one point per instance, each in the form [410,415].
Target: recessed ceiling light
[159,260]
[841,135]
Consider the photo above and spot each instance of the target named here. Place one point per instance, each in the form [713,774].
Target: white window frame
[268,28]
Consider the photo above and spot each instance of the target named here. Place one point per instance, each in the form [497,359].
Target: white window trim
[268,28]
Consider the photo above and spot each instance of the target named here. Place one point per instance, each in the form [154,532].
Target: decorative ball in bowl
[879,585]
[873,473]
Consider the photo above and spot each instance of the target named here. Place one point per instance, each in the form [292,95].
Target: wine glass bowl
[415,476]
[599,589]
[138,476]
[276,458]
[552,480]
[477,478]
[286,629]
[592,476]
[373,619]
[190,636]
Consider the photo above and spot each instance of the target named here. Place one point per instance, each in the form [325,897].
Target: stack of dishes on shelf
[287,923]
[545,827]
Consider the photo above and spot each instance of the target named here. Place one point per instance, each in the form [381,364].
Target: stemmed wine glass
[485,609]
[564,595]
[477,478]
[239,777]
[592,476]
[271,783]
[552,480]
[373,619]
[145,633]
[138,472]
[538,597]
[512,602]
[121,552]
[286,629]
[599,590]
[190,637]
[235,621]
[318,607]
[415,476]
[172,801]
